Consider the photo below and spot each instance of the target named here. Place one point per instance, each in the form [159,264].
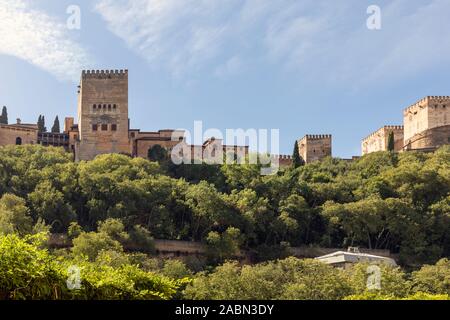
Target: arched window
[18,141]
[114,106]
[95,106]
[109,107]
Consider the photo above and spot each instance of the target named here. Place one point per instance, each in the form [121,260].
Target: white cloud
[179,35]
[39,39]
[231,67]
[322,40]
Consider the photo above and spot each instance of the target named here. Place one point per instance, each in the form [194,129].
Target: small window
[114,127]
[95,106]
[114,106]
[104,127]
[109,107]
[94,127]
[18,141]
[104,106]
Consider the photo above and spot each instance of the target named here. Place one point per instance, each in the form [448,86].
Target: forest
[398,202]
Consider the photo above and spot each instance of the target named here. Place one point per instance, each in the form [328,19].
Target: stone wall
[378,141]
[429,139]
[10,133]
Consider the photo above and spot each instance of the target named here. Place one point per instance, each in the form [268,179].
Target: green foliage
[91,244]
[142,239]
[4,116]
[297,160]
[433,279]
[157,154]
[28,272]
[223,246]
[41,124]
[56,128]
[14,216]
[391,142]
[74,230]
[284,279]
[176,269]
[398,202]
[114,228]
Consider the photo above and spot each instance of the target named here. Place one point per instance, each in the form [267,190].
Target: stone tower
[315,147]
[379,140]
[427,123]
[103,123]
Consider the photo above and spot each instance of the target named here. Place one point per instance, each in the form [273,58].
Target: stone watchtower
[427,123]
[103,123]
[315,147]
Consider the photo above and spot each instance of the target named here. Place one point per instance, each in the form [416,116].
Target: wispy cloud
[318,39]
[36,37]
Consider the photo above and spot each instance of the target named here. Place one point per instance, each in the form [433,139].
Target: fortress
[426,127]
[103,127]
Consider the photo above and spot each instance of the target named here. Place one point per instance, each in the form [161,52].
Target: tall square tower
[315,147]
[103,122]
[428,113]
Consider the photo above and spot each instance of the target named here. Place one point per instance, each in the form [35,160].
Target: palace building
[103,125]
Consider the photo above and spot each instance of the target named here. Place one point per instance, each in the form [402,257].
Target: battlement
[280,157]
[317,137]
[427,100]
[394,127]
[104,74]
[387,127]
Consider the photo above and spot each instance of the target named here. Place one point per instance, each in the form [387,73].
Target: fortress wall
[430,139]
[9,134]
[378,141]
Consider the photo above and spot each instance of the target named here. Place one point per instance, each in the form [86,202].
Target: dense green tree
[284,279]
[41,124]
[29,272]
[56,127]
[4,116]
[49,204]
[391,142]
[433,279]
[157,154]
[91,244]
[297,160]
[14,216]
[223,246]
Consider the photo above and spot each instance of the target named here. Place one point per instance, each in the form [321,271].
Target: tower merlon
[104,74]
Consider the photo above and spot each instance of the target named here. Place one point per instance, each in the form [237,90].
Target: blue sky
[304,67]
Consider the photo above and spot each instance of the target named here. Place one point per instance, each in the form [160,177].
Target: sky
[303,67]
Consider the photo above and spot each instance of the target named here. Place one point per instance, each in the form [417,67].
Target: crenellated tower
[103,122]
[315,147]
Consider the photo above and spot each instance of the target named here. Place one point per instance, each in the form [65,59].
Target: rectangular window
[114,127]
[104,127]
[94,127]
